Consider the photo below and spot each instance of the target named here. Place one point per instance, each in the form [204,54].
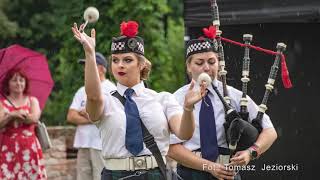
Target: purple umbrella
[33,64]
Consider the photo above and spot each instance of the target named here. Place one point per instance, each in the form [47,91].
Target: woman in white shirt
[125,155]
[195,161]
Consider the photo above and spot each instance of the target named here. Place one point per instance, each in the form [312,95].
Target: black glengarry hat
[128,41]
[203,44]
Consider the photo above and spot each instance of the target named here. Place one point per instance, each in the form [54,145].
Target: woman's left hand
[192,96]
[28,119]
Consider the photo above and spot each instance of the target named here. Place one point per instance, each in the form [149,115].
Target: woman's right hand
[87,42]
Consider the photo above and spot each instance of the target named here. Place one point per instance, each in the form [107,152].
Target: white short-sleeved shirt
[87,136]
[155,110]
[219,113]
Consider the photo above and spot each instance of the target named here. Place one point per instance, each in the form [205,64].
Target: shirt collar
[214,83]
[138,88]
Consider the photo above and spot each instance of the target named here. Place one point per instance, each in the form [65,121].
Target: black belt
[222,151]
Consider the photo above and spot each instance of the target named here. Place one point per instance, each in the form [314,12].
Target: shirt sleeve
[170,105]
[174,139]
[253,111]
[179,96]
[107,87]
[78,102]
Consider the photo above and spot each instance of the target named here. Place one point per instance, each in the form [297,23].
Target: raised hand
[88,42]
[192,96]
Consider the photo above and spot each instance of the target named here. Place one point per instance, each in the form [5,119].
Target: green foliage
[8,29]
[45,25]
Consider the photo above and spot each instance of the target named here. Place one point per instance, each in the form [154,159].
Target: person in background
[87,139]
[20,153]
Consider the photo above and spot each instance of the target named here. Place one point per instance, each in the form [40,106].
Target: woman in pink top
[20,153]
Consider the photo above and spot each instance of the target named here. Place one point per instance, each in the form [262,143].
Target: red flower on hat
[129,29]
[210,32]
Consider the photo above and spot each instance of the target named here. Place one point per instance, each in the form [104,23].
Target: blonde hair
[188,61]
[145,72]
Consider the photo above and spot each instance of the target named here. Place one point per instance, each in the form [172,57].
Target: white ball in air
[91,14]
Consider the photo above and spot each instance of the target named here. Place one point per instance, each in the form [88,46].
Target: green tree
[8,29]
[45,25]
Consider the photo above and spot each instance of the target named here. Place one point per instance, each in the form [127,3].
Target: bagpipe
[241,133]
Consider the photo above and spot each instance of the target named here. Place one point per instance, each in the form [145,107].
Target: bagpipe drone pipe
[241,132]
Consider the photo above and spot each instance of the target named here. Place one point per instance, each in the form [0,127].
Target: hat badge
[132,43]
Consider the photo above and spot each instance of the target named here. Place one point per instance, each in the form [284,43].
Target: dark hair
[9,75]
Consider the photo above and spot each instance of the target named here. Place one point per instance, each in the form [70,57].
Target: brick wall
[60,160]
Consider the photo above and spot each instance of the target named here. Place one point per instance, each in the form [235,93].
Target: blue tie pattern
[134,138]
[208,135]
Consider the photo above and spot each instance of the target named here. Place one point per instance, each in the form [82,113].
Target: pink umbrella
[33,64]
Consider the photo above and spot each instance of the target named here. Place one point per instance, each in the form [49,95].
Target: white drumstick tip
[204,77]
[91,14]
